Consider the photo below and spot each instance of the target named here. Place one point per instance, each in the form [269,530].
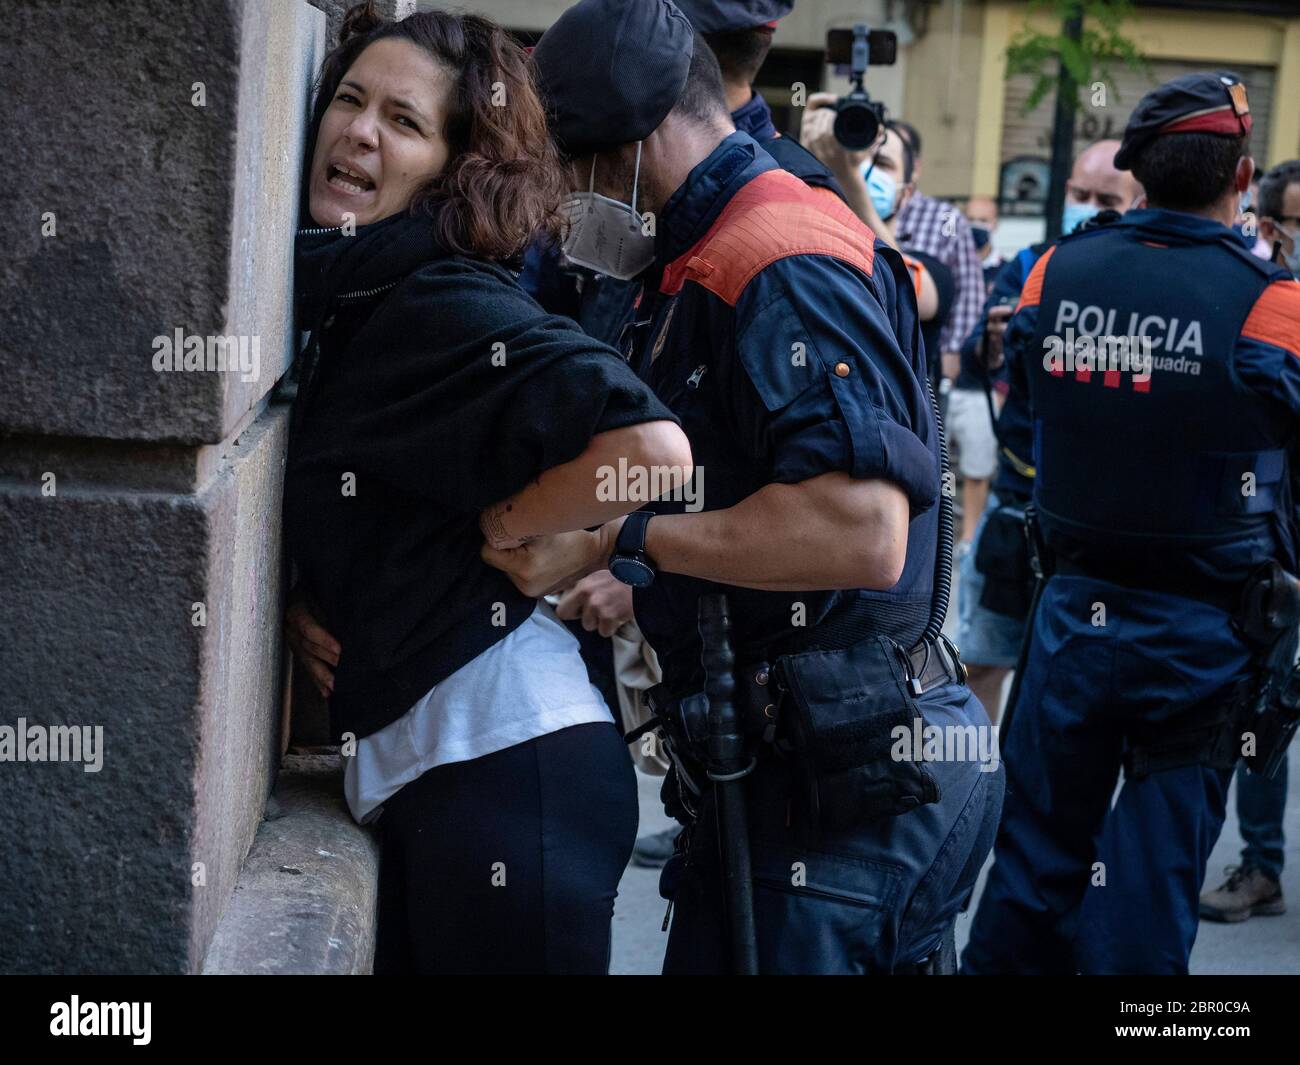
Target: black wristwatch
[629,563]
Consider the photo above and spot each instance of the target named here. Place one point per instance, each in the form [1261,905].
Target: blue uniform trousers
[866,901]
[1084,880]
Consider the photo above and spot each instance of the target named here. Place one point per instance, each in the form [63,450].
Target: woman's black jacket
[432,387]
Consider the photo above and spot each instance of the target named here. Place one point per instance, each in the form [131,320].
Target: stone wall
[160,146]
[390,9]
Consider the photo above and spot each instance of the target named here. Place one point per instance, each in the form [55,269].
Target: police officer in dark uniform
[1162,485]
[785,339]
[739,32]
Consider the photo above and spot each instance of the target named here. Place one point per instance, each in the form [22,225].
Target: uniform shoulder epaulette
[1275,317]
[773,217]
[1032,294]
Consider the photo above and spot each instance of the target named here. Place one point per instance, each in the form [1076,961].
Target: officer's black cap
[611,70]
[1194,103]
[719,16]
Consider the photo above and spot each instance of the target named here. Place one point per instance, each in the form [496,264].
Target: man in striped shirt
[936,228]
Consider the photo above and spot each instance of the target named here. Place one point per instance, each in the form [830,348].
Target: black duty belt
[934,665]
[1225,598]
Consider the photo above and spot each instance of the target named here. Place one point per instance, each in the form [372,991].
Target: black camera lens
[856,124]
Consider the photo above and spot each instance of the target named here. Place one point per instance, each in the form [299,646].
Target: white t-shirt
[529,684]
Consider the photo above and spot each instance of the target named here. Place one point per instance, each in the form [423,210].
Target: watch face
[631,571]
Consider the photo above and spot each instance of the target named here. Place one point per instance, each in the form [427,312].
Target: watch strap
[631,537]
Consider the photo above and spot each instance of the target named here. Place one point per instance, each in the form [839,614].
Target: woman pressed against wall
[438,407]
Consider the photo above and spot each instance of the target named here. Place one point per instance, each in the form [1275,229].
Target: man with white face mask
[785,339]
[608,235]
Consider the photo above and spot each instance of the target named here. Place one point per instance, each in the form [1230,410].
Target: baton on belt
[729,765]
[1039,567]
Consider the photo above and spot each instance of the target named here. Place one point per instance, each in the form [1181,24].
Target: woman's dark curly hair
[503,182]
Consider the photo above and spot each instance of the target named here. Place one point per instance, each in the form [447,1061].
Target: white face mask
[605,235]
[1290,259]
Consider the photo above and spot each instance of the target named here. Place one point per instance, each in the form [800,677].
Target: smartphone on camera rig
[858,117]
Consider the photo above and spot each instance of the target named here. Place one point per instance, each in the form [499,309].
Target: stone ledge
[305,899]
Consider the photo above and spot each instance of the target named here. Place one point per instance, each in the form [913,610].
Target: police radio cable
[943,553]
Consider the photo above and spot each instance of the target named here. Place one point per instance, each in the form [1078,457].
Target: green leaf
[1043,56]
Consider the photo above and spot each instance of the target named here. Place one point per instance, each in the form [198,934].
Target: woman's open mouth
[348,180]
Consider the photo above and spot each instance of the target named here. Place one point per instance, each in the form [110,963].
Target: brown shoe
[1247,893]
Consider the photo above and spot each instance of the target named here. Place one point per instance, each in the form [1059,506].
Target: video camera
[858,118]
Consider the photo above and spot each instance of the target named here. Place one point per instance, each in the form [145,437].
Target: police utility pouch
[840,713]
[1003,557]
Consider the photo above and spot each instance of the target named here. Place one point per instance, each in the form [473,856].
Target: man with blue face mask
[1096,185]
[887,173]
[1279,214]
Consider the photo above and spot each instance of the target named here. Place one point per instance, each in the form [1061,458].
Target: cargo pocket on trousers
[824,913]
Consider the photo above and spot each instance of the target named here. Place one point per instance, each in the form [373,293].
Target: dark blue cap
[611,70]
[719,16]
[1194,103]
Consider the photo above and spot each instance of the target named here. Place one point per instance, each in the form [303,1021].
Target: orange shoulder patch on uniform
[1275,318]
[917,272]
[1032,294]
[773,217]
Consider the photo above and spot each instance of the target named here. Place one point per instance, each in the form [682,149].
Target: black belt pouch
[844,714]
[1003,557]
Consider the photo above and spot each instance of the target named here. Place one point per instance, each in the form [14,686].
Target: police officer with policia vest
[994,573]
[785,339]
[1162,364]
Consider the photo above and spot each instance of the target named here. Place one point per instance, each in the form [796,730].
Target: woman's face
[381,137]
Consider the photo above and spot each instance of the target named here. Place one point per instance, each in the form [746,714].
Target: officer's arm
[1266,358]
[820,395]
[830,531]
[1267,354]
[823,395]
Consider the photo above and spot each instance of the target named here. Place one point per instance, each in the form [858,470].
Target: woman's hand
[551,563]
[315,648]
